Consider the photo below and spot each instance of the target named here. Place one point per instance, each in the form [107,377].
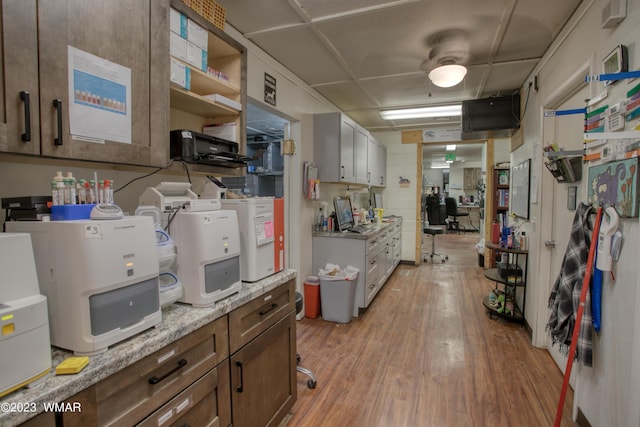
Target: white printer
[255,216]
[207,241]
[100,278]
[24,325]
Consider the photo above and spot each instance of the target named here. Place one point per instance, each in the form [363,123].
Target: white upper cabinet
[340,148]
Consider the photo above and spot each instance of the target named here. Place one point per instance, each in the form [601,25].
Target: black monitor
[344,213]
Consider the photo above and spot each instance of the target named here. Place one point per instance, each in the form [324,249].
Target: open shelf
[193,103]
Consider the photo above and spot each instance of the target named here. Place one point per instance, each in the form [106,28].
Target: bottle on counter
[73,196]
[54,193]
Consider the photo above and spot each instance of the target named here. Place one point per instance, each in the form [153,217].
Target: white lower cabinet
[376,256]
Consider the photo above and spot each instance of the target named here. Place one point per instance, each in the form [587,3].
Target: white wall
[401,200]
[608,393]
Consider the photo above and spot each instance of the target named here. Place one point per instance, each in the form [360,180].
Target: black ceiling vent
[497,117]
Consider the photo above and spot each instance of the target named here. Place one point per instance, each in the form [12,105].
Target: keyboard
[358,229]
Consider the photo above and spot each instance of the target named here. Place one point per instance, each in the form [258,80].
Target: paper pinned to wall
[99,98]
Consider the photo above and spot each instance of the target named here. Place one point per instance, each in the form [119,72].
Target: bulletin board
[520,175]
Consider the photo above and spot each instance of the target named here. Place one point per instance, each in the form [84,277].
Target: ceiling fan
[448,54]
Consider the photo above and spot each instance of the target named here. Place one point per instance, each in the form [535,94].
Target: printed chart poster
[99,99]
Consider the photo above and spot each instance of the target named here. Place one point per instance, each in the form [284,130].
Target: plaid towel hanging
[565,295]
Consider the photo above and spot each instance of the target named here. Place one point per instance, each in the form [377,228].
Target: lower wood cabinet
[132,394]
[262,338]
[263,385]
[204,403]
[198,381]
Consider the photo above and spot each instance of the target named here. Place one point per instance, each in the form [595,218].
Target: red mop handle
[576,328]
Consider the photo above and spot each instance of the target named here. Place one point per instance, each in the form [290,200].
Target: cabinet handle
[26,136]
[368,176]
[240,388]
[181,364]
[342,168]
[57,103]
[272,307]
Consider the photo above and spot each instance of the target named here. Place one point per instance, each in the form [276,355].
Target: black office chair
[452,211]
[312,381]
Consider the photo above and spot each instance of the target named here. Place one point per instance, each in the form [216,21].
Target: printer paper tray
[222,159]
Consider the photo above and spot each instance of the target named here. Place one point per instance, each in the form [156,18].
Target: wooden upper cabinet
[132,34]
[19,130]
[118,31]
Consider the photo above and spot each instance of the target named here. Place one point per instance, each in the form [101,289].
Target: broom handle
[576,329]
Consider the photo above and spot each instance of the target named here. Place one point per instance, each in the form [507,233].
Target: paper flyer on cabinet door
[99,98]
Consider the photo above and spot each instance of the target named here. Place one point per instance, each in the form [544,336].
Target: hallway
[426,353]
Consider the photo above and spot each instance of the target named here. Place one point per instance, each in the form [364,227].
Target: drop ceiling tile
[346,95]
[248,16]
[308,57]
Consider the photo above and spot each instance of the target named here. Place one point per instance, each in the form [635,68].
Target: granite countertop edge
[178,320]
[374,230]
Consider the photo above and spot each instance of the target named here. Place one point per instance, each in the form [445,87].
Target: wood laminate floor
[426,353]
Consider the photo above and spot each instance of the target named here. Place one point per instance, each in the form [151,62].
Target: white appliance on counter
[24,325]
[100,278]
[207,241]
[255,217]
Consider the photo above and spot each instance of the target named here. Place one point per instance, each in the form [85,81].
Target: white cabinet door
[372,160]
[361,159]
[347,151]
[381,178]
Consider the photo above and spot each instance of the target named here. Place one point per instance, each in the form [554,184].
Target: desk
[474,215]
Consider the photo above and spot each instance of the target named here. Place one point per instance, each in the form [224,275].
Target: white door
[567,132]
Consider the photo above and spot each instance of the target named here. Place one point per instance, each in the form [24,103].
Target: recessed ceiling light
[422,112]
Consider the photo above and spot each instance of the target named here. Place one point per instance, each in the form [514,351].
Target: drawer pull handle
[181,364]
[240,388]
[26,136]
[57,103]
[273,306]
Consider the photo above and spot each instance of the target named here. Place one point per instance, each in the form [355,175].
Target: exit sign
[449,157]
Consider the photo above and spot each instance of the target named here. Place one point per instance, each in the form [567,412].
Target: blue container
[71,212]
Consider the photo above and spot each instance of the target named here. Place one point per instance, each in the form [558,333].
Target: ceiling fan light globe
[447,75]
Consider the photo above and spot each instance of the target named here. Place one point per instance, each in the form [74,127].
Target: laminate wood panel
[426,353]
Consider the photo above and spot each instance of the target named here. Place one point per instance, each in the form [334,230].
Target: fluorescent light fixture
[449,161]
[447,75]
[422,112]
[451,147]
[439,166]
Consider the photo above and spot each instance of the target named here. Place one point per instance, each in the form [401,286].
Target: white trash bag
[334,272]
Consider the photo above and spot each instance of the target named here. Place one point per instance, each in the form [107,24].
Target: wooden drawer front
[255,317]
[128,396]
[46,419]
[205,403]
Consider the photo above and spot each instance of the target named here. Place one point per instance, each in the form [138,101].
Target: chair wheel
[311,384]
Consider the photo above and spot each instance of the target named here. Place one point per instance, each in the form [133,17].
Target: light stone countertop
[373,230]
[178,320]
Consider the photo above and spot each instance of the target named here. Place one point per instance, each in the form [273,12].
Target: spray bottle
[608,227]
